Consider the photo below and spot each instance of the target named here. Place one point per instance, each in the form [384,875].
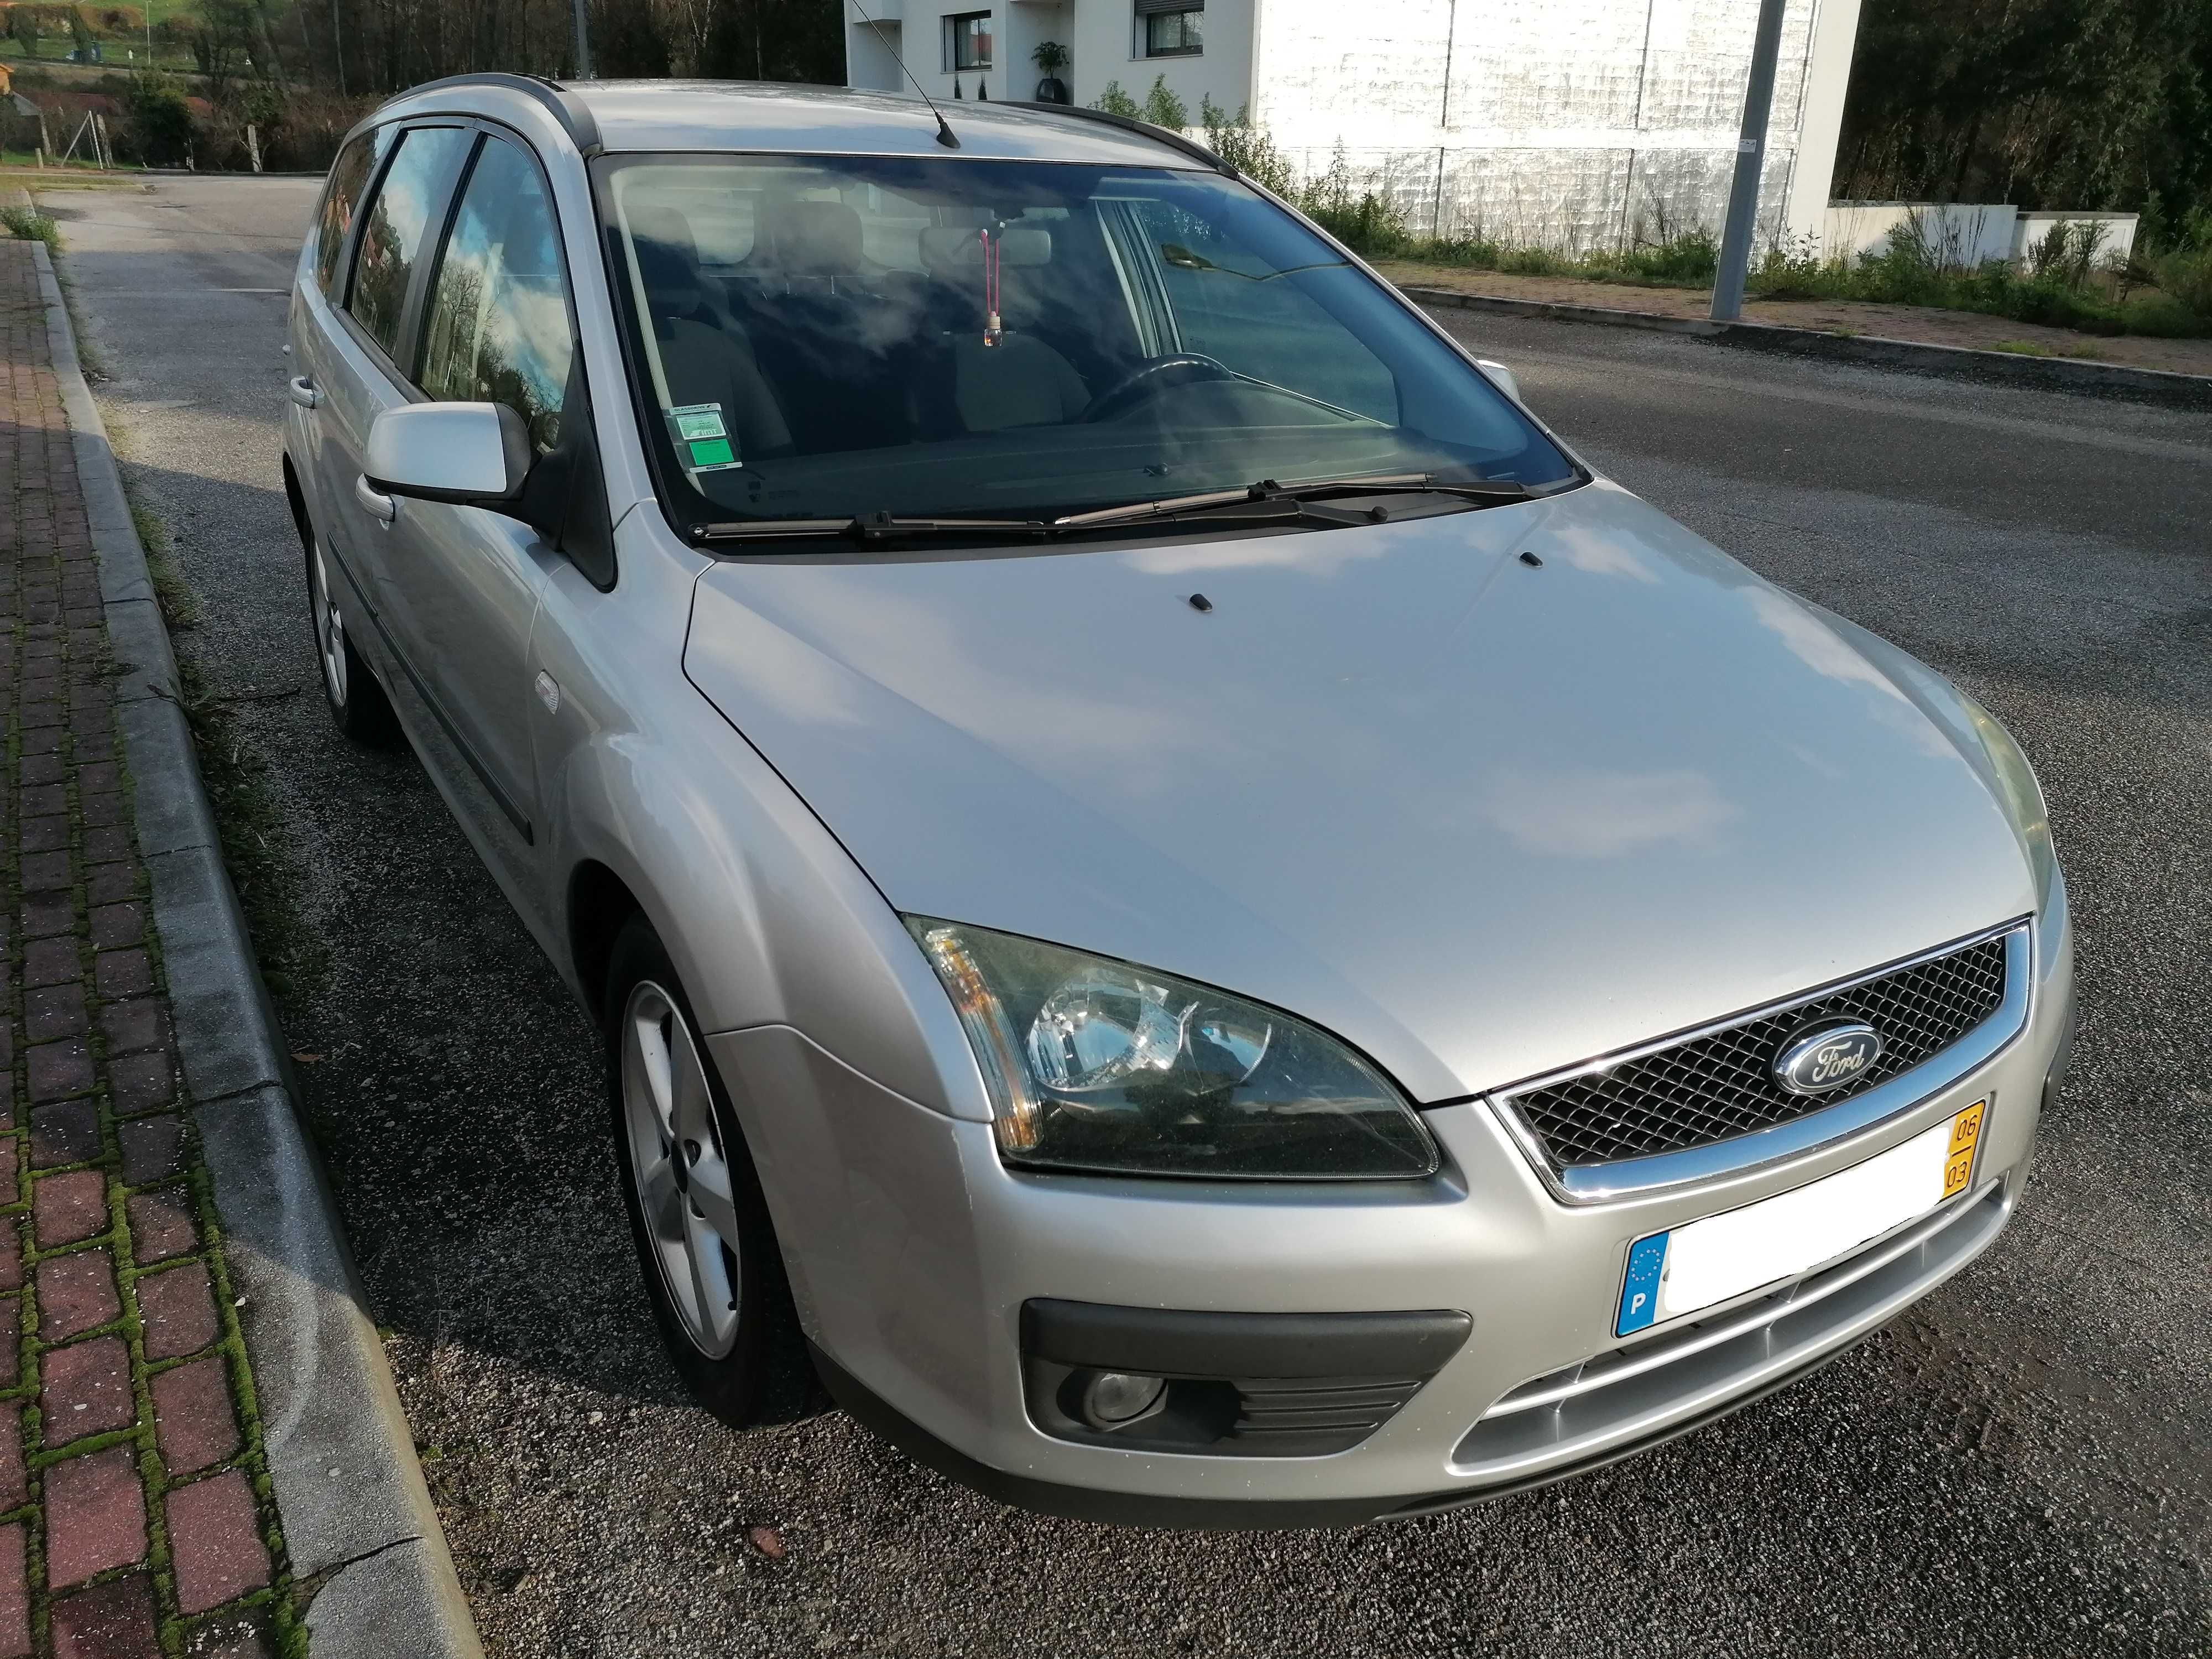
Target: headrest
[947,249]
[811,239]
[667,258]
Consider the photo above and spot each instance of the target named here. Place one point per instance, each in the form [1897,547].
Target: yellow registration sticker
[1966,1138]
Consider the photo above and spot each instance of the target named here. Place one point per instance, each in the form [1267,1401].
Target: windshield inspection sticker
[699,429]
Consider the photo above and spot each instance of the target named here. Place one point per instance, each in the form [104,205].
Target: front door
[462,584]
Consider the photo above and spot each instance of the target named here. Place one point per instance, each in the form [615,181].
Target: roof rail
[1172,139]
[563,105]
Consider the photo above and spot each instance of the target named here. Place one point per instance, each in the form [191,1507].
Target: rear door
[365,355]
[316,299]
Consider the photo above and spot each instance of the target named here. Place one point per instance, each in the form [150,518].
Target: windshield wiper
[1305,490]
[864,528]
[1264,502]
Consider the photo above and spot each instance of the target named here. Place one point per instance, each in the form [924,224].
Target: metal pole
[583,45]
[1750,154]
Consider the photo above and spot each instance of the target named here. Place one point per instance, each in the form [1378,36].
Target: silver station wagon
[1232,934]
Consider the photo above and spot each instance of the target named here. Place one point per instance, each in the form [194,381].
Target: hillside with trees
[2069,103]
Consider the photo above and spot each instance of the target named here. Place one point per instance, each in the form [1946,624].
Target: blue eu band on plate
[1705,1262]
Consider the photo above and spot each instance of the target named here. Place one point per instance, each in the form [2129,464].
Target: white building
[1562,124]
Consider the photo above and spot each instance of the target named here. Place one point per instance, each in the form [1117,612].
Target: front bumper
[913,1253]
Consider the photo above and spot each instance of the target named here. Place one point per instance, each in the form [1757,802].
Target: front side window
[843,336]
[1171,30]
[350,176]
[499,324]
[967,41]
[392,240]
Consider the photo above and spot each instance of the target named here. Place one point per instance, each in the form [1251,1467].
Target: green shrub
[1367,223]
[2185,275]
[1163,109]
[160,123]
[1114,101]
[1251,151]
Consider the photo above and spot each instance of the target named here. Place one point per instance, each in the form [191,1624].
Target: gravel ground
[2021,1466]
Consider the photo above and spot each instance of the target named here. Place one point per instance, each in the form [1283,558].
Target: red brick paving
[89,1128]
[86,1389]
[114,1620]
[69,1208]
[15,1593]
[96,1516]
[192,1412]
[161,1224]
[176,1310]
[215,1539]
[76,1293]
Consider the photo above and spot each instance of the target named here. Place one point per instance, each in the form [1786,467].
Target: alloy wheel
[683,1177]
[330,632]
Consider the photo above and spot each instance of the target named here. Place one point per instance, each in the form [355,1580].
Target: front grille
[1721,1084]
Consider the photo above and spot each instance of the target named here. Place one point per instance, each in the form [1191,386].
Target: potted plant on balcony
[1051,56]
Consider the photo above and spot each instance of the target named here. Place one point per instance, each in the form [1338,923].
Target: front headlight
[1098,1066]
[2023,795]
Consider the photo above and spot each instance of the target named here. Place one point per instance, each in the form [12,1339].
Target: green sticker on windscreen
[712,452]
[697,420]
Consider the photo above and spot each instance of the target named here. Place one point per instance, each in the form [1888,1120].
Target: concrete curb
[2156,385]
[350,1491]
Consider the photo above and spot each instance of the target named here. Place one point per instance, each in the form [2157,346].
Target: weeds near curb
[31,226]
[180,606]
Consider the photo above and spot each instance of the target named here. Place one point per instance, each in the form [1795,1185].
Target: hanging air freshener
[993,332]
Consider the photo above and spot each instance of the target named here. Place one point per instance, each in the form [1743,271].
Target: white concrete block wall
[1574,123]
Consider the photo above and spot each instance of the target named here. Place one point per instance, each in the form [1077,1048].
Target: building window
[1170,28]
[967,41]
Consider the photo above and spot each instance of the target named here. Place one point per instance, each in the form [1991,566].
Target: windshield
[835,336]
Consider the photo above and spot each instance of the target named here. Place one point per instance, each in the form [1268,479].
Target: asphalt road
[2021,1466]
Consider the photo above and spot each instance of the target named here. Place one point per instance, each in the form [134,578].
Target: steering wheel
[1152,377]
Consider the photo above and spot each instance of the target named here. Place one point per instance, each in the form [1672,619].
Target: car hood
[1484,792]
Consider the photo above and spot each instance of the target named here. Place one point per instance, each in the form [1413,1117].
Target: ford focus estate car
[1255,942]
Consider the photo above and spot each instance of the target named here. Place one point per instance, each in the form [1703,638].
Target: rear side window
[414,186]
[350,176]
[499,320]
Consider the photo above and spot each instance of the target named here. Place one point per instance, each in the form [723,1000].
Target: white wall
[1569,124]
[1564,123]
[1959,234]
[2119,238]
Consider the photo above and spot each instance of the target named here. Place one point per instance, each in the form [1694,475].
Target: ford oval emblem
[1826,1057]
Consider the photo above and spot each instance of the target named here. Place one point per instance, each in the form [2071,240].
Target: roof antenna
[945,134]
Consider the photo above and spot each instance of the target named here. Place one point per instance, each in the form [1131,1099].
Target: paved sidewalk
[134,1514]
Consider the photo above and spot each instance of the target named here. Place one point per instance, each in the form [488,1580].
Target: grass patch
[266,873]
[264,870]
[31,225]
[2060,284]
[180,606]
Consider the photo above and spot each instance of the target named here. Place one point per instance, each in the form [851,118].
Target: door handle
[382,508]
[303,391]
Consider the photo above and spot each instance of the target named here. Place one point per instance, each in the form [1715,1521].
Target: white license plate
[1704,1263]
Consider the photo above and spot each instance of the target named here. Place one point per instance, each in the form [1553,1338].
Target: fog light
[1113,1398]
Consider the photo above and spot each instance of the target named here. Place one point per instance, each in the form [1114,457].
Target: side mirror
[475,454]
[1500,376]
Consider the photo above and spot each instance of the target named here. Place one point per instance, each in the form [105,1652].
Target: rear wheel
[703,1235]
[357,702]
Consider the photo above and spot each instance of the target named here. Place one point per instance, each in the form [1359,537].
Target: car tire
[357,702]
[695,1208]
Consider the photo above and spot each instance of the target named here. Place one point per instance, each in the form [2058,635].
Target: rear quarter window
[350,176]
